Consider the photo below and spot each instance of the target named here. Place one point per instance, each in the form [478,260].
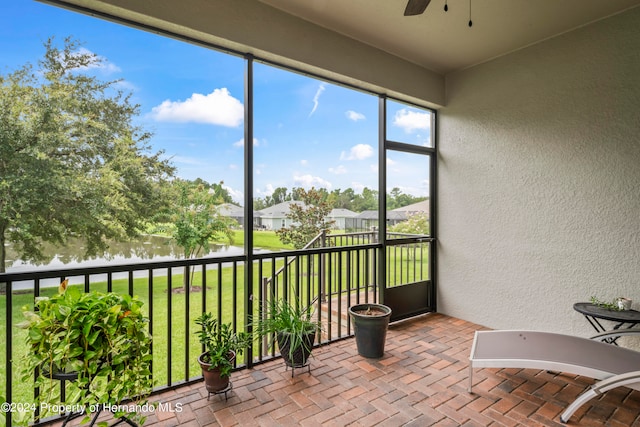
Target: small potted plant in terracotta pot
[221,345]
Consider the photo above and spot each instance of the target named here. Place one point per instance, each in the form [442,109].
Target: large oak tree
[72,161]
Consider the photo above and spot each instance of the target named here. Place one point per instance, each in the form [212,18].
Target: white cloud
[187,160]
[352,115]
[236,195]
[307,181]
[101,64]
[233,166]
[393,165]
[125,86]
[420,190]
[316,98]
[357,186]
[267,191]
[240,143]
[109,68]
[304,162]
[357,152]
[216,108]
[340,170]
[412,120]
[373,167]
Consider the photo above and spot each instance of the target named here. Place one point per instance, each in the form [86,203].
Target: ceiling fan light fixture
[417,7]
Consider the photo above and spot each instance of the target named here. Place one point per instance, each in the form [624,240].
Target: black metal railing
[337,271]
[175,292]
[407,257]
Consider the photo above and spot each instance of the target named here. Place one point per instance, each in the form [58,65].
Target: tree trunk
[185,278]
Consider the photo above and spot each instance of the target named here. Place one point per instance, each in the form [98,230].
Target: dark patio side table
[624,319]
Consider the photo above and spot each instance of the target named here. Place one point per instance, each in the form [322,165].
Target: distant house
[342,218]
[237,212]
[365,220]
[275,217]
[409,210]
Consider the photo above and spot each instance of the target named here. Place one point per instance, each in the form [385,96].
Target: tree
[397,199]
[279,195]
[417,223]
[259,204]
[368,200]
[196,221]
[342,199]
[72,163]
[309,219]
[220,193]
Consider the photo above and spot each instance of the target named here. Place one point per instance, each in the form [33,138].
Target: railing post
[265,312]
[8,348]
[321,272]
[372,264]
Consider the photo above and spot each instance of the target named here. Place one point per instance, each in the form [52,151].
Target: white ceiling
[443,42]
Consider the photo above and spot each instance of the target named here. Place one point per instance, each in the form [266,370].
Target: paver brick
[421,381]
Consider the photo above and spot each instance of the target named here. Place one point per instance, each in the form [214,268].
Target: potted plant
[370,322]
[293,328]
[89,339]
[221,345]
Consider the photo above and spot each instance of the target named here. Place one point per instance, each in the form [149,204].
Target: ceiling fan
[416,7]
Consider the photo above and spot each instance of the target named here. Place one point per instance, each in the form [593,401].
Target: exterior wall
[340,223]
[539,180]
[275,223]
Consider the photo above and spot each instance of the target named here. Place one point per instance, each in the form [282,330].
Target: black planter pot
[300,355]
[60,376]
[370,322]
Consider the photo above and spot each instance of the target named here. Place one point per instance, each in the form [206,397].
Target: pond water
[147,248]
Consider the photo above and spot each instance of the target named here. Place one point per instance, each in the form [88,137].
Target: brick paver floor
[421,381]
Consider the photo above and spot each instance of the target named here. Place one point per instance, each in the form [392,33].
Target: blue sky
[306,132]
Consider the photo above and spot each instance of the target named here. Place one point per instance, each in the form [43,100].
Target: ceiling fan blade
[416,7]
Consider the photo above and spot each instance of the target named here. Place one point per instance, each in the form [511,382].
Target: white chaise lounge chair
[615,366]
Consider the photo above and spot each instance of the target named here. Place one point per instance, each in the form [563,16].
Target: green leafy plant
[73,137]
[291,320]
[100,338]
[417,223]
[606,305]
[219,340]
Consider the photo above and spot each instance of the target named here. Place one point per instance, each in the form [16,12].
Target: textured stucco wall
[539,180]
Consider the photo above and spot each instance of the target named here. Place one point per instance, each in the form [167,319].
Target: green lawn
[262,239]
